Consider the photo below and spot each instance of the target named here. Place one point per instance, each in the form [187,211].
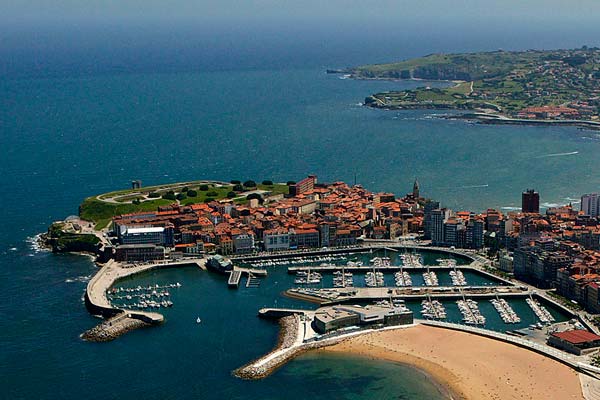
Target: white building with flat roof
[590,204]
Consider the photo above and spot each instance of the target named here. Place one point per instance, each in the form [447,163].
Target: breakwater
[113,327]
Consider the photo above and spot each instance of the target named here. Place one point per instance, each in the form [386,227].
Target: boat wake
[571,153]
[474,186]
[82,278]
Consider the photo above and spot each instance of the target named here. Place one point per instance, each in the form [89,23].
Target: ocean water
[77,122]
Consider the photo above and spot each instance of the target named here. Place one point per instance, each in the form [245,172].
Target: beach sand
[468,366]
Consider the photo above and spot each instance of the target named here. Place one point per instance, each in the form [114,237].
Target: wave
[550,205]
[35,243]
[509,208]
[571,153]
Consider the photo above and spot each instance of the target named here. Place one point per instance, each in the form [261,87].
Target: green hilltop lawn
[102,208]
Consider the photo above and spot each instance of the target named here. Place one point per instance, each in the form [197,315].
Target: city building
[303,186]
[530,201]
[590,204]
[139,252]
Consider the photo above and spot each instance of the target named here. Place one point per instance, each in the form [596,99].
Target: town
[559,248]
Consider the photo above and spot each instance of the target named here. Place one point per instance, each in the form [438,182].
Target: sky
[16,12]
[55,35]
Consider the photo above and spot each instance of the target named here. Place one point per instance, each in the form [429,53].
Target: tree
[203,188]
[231,195]
[254,196]
[153,195]
[170,195]
[238,188]
[181,196]
[136,201]
[208,199]
[249,184]
[185,189]
[267,183]
[290,183]
[192,193]
[235,182]
[212,193]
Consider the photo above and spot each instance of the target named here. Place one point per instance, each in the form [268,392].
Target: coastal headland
[470,366]
[552,87]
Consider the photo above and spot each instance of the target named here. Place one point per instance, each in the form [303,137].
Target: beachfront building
[577,341]
[341,316]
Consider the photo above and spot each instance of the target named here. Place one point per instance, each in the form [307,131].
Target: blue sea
[86,110]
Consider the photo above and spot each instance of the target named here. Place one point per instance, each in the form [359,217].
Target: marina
[540,311]
[343,279]
[402,278]
[470,311]
[374,279]
[142,297]
[430,278]
[433,309]
[508,315]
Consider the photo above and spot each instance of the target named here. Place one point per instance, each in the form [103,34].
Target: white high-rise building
[590,204]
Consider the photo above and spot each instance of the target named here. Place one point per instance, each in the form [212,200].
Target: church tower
[415,191]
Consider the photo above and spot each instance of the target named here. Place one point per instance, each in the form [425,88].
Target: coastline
[478,115]
[469,366]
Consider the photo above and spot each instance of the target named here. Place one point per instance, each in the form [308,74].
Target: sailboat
[198,320]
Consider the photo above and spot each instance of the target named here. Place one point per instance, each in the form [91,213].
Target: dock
[367,268]
[234,279]
[252,281]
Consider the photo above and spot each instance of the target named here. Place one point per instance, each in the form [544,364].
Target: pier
[343,295]
[234,278]
[367,268]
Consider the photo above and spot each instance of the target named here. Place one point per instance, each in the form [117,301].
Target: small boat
[198,320]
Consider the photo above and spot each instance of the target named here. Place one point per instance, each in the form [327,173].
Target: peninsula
[533,86]
[535,274]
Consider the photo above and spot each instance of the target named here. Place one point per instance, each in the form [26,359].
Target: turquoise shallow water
[66,138]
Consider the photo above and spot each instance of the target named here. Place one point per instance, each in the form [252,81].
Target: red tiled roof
[576,336]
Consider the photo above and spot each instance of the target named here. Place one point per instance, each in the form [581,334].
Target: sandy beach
[470,366]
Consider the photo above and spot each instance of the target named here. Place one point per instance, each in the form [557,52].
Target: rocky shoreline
[112,328]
